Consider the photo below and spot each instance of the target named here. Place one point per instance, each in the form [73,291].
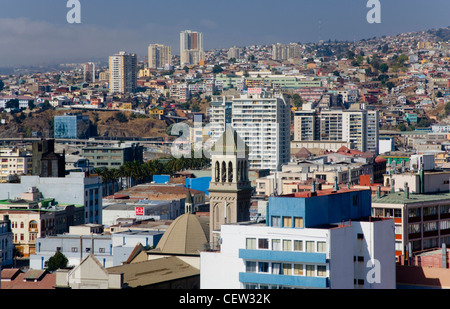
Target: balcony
[286,280]
[285,256]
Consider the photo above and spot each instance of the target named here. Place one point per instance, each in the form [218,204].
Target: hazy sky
[37,32]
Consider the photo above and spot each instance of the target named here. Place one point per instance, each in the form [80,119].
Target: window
[287,245]
[414,212]
[263,267]
[298,245]
[321,246]
[263,243]
[287,222]
[310,271]
[276,221]
[298,222]
[378,212]
[276,268]
[74,249]
[310,246]
[250,243]
[355,200]
[360,236]
[298,269]
[445,209]
[250,267]
[287,269]
[430,226]
[414,228]
[321,270]
[430,211]
[276,244]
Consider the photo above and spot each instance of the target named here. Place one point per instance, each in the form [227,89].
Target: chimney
[336,186]
[378,191]
[406,190]
[444,255]
[313,190]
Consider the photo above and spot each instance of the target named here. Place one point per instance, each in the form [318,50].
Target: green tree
[217,69]
[57,261]
[383,68]
[121,117]
[297,100]
[14,103]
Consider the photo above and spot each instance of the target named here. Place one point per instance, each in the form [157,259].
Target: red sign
[254,90]
[139,211]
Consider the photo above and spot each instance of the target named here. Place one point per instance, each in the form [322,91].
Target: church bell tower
[230,189]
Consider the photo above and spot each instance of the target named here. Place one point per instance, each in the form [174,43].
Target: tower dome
[186,235]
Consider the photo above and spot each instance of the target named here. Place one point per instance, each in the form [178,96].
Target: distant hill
[105,123]
[442,34]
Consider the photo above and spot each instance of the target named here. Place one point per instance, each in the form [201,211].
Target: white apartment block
[255,256]
[357,127]
[122,73]
[262,120]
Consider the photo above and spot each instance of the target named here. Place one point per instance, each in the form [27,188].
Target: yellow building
[157,111]
[14,161]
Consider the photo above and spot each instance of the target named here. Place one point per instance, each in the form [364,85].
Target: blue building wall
[161,178]
[322,209]
[201,184]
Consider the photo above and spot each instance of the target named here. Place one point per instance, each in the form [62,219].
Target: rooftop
[400,198]
[323,192]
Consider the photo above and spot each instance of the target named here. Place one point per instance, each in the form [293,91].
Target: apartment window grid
[286,268]
[286,244]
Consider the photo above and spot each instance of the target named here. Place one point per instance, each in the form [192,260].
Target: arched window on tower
[217,174]
[224,172]
[230,171]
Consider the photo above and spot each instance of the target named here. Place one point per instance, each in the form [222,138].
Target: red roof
[29,280]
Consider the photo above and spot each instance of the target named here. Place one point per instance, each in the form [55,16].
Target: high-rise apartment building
[159,56]
[357,126]
[262,120]
[191,47]
[285,51]
[122,73]
[89,72]
[235,52]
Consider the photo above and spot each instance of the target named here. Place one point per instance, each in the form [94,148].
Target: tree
[14,103]
[121,117]
[297,100]
[2,85]
[57,261]
[217,69]
[383,68]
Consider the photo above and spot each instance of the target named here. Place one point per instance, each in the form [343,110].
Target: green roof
[400,198]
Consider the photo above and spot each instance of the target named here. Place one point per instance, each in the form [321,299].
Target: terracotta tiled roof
[32,279]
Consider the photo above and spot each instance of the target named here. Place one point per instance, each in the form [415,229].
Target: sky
[36,32]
